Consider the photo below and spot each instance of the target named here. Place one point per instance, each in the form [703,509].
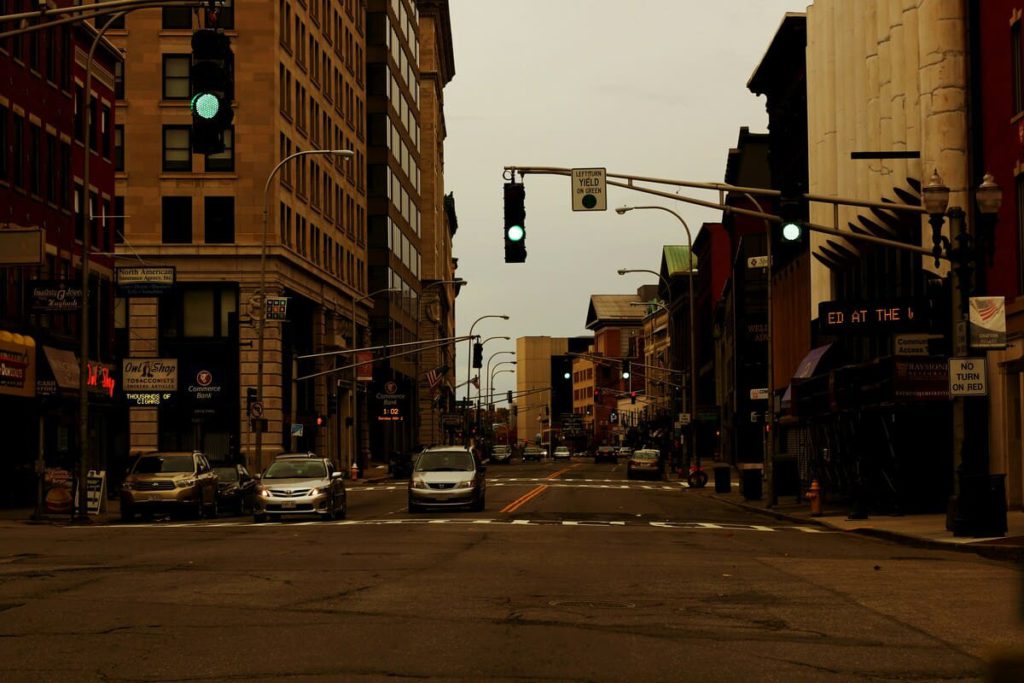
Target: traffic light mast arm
[722,188]
[83,12]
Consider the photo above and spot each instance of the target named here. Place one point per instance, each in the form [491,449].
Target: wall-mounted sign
[17,365]
[988,322]
[890,316]
[143,280]
[391,400]
[100,379]
[364,369]
[54,296]
[203,384]
[277,308]
[967,377]
[143,399]
[149,374]
[759,394]
[913,344]
[922,379]
[22,247]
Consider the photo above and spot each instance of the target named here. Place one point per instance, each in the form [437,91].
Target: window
[94,123]
[220,220]
[223,161]
[118,220]
[177,17]
[4,142]
[51,166]
[18,151]
[119,79]
[106,123]
[118,148]
[177,148]
[34,150]
[176,220]
[1016,45]
[177,85]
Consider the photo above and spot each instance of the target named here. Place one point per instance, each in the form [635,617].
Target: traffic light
[332,403]
[321,420]
[632,397]
[478,355]
[212,78]
[791,229]
[625,369]
[508,396]
[597,395]
[515,223]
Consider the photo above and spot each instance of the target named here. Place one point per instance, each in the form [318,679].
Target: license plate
[288,505]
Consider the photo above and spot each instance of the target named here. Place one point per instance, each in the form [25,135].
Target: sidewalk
[924,531]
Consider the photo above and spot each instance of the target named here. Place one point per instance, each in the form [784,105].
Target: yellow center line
[534,492]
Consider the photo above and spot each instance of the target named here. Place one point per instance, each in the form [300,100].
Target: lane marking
[524,499]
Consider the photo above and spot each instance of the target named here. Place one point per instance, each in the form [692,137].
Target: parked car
[562,453]
[447,476]
[535,453]
[174,482]
[501,454]
[624,452]
[645,462]
[236,488]
[605,453]
[300,484]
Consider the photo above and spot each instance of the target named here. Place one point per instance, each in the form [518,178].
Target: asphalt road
[570,574]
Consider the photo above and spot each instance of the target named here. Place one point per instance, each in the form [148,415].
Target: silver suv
[447,476]
[300,484]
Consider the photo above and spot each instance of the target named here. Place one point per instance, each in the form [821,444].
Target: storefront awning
[806,369]
[17,365]
[64,365]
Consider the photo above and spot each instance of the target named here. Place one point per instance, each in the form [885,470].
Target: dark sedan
[235,488]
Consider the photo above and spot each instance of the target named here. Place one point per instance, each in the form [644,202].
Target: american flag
[476,381]
[434,376]
[988,307]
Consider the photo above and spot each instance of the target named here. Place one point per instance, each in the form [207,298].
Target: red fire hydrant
[814,495]
[354,472]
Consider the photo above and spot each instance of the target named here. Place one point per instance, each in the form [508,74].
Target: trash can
[750,483]
[981,509]
[723,478]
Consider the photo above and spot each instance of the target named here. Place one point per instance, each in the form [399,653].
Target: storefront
[19,408]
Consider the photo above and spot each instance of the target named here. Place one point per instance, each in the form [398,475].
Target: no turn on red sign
[967,377]
[589,189]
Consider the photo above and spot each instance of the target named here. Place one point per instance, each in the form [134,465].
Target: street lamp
[469,356]
[483,384]
[261,302]
[493,372]
[693,335]
[490,387]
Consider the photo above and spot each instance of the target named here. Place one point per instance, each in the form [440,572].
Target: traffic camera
[212,79]
[515,223]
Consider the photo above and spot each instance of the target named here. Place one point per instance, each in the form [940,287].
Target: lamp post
[693,334]
[260,308]
[483,384]
[974,512]
[469,358]
[419,336]
[490,387]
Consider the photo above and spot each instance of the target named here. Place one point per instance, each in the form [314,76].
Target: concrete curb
[992,552]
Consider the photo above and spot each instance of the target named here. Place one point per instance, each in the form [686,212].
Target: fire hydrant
[354,472]
[814,495]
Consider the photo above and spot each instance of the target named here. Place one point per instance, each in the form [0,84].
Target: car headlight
[314,492]
[465,484]
[419,484]
[265,493]
[185,483]
[127,486]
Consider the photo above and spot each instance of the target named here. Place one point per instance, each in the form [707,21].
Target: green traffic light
[791,232]
[516,233]
[205,105]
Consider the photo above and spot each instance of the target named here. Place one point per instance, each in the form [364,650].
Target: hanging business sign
[364,367]
[54,296]
[149,374]
[988,322]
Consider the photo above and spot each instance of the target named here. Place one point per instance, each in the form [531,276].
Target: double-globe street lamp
[260,307]
[693,335]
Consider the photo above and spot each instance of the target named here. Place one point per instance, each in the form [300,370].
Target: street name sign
[760,394]
[589,189]
[757,262]
[967,377]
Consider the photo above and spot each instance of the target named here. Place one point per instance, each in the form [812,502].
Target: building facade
[49,130]
[299,86]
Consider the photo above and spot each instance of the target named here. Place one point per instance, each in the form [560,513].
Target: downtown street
[572,573]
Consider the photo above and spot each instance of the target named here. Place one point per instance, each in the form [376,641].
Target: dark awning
[805,369]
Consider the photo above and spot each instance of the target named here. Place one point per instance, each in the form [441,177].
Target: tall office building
[298,87]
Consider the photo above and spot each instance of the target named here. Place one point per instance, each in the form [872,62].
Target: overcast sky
[645,87]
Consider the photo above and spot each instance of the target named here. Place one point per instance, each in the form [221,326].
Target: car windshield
[606,449]
[561,449]
[226,473]
[445,462]
[645,455]
[296,469]
[164,464]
